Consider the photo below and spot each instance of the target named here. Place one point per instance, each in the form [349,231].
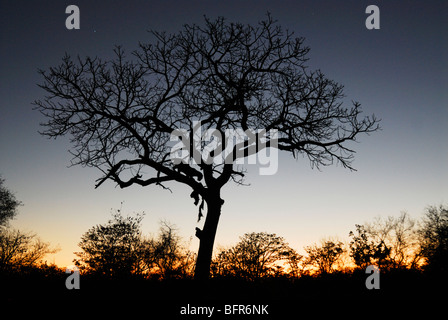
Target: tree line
[119,249]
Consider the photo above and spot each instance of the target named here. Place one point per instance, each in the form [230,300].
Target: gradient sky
[399,73]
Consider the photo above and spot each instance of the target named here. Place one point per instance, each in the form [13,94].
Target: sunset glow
[396,71]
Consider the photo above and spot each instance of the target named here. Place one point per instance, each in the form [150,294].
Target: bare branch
[119,113]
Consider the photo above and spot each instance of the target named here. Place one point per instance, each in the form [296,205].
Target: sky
[398,72]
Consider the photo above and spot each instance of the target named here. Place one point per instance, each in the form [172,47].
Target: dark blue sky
[398,72]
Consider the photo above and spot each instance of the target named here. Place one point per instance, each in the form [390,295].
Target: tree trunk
[207,238]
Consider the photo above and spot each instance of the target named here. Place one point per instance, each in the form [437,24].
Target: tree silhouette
[365,250]
[325,255]
[399,236]
[434,238]
[113,249]
[389,243]
[8,204]
[166,256]
[257,255]
[19,249]
[221,76]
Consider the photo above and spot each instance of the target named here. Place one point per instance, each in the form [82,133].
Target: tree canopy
[257,255]
[113,249]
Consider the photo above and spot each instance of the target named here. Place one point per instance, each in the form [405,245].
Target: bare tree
[389,243]
[325,255]
[399,236]
[19,249]
[166,255]
[121,113]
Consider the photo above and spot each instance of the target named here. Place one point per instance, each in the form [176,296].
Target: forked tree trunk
[207,238]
